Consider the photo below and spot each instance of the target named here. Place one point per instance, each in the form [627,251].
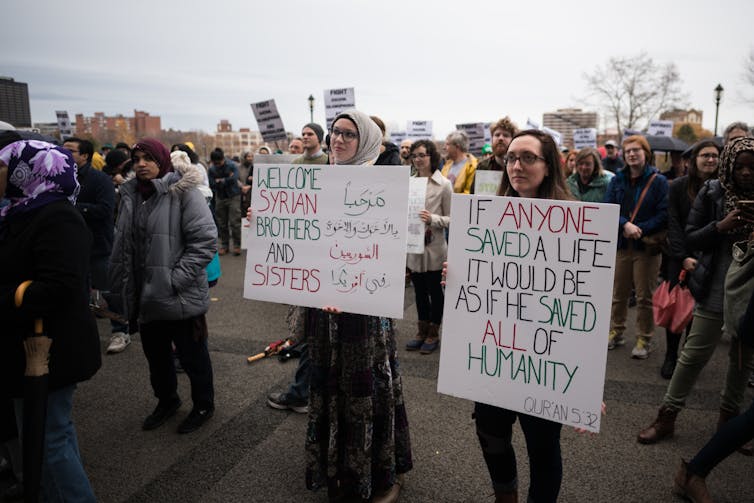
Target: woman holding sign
[357,440]
[533,170]
[426,268]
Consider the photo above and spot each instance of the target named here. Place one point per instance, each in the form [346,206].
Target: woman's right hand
[689,264]
[444,272]
[249,214]
[732,220]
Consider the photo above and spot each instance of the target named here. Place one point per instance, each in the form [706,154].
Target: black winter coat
[96,202]
[49,246]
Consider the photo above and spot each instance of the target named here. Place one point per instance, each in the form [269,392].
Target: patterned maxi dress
[357,438]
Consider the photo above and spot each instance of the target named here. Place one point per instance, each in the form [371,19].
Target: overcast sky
[196,62]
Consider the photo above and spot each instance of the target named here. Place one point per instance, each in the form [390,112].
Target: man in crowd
[245,177]
[406,152]
[96,202]
[735,130]
[223,180]
[459,166]
[296,146]
[311,136]
[502,133]
[612,161]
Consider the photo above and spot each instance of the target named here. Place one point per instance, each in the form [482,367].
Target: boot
[690,486]
[391,494]
[421,334]
[663,426]
[671,354]
[432,340]
[747,449]
[506,497]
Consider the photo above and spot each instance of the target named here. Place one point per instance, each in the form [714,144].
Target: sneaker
[282,401]
[236,251]
[195,419]
[118,342]
[165,410]
[642,349]
[615,339]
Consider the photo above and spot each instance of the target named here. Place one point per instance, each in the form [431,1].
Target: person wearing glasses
[589,181]
[460,165]
[357,442]
[426,267]
[532,169]
[642,193]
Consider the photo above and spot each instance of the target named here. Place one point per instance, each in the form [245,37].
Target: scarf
[370,138]
[39,173]
[160,154]
[725,174]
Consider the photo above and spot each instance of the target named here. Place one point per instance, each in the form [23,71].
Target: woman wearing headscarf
[43,238]
[357,440]
[714,224]
[164,239]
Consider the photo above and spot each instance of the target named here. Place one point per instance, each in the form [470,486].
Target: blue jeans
[299,388]
[495,430]
[63,476]
[731,435]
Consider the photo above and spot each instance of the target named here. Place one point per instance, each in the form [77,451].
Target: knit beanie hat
[317,130]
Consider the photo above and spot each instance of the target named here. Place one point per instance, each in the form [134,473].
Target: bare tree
[630,90]
[748,77]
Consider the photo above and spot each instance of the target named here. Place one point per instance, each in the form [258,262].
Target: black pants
[430,298]
[495,430]
[190,339]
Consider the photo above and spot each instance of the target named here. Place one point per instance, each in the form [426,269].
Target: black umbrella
[37,349]
[659,143]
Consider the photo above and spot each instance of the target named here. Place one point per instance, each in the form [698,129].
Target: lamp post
[311,109]
[718,95]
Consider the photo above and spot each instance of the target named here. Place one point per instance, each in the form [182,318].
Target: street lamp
[311,108]
[718,95]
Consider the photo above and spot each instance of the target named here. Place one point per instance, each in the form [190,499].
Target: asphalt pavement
[249,452]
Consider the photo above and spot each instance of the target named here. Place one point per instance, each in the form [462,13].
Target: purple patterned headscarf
[39,173]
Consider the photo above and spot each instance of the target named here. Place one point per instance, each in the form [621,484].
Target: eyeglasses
[526,159]
[709,156]
[347,136]
[418,156]
[632,151]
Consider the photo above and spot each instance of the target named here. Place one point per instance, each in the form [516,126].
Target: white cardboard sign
[329,236]
[584,137]
[268,120]
[337,101]
[419,130]
[527,305]
[486,182]
[660,128]
[417,201]
[64,124]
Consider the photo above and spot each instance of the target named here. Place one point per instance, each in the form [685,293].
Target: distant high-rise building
[14,102]
[236,142]
[565,120]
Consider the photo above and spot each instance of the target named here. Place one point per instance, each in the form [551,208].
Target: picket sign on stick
[329,236]
[527,305]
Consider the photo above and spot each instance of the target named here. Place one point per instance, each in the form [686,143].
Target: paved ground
[249,452]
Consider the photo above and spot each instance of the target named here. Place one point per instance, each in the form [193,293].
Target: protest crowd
[139,241]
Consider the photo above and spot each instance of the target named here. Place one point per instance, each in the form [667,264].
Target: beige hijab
[370,138]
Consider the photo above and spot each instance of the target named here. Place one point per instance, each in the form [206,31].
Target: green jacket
[594,192]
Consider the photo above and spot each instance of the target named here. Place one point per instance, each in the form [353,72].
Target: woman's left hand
[426,216]
[331,310]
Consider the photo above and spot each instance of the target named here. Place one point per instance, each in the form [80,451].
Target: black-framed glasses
[419,156]
[526,159]
[347,136]
[709,156]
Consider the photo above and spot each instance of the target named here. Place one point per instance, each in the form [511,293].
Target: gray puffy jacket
[181,241]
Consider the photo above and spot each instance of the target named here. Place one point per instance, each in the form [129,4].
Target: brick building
[100,125]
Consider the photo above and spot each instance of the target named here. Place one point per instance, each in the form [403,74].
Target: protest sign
[419,130]
[631,132]
[555,135]
[337,101]
[245,230]
[486,182]
[268,120]
[329,235]
[584,137]
[417,194]
[64,125]
[275,158]
[475,131]
[530,124]
[397,137]
[527,305]
[660,128]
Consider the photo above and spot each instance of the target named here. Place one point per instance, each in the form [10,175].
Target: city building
[565,120]
[235,143]
[14,103]
[678,116]
[118,127]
